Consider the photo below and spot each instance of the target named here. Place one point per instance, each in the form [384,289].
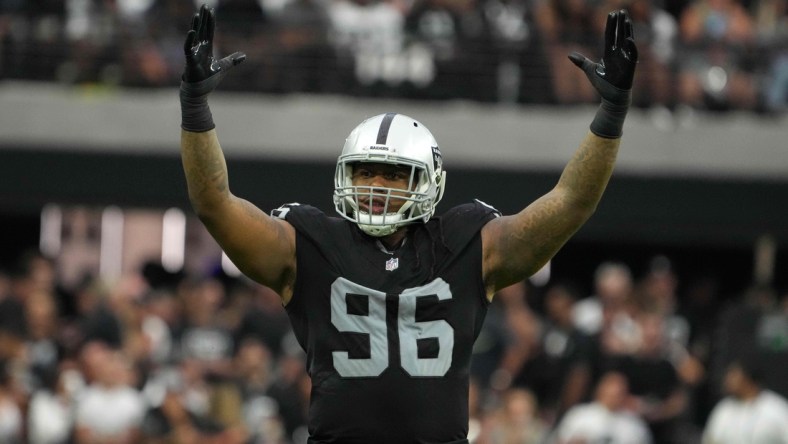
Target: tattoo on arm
[527,240]
[587,173]
[204,164]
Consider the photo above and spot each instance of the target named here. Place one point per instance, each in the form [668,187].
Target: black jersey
[388,335]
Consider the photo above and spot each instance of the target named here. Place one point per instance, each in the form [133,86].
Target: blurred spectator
[244,26]
[261,416]
[126,299]
[516,421]
[675,7]
[459,38]
[609,314]
[203,337]
[158,319]
[777,91]
[732,53]
[49,416]
[491,345]
[27,343]
[567,26]
[95,319]
[153,42]
[291,390]
[737,328]
[5,284]
[252,364]
[714,71]
[90,359]
[43,352]
[33,274]
[659,394]
[94,30]
[613,286]
[658,292]
[368,36]
[255,374]
[262,316]
[32,38]
[750,413]
[524,331]
[80,247]
[658,298]
[194,389]
[559,371]
[753,323]
[180,411]
[303,57]
[13,327]
[771,23]
[703,305]
[205,351]
[11,422]
[522,73]
[240,18]
[110,410]
[606,419]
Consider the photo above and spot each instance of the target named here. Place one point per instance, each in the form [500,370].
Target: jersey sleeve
[306,219]
[328,234]
[460,224]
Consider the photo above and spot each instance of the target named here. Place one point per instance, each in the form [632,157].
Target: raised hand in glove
[202,72]
[612,76]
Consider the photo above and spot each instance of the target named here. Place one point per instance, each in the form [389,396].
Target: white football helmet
[393,139]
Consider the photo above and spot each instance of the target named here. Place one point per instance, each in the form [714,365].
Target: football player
[387,298]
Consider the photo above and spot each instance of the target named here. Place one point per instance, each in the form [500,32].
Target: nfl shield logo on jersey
[392,264]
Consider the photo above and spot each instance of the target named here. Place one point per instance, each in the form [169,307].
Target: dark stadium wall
[679,210]
[701,220]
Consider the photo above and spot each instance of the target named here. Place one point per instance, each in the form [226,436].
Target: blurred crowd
[162,357]
[694,54]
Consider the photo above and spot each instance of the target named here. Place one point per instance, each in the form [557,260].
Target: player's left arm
[516,246]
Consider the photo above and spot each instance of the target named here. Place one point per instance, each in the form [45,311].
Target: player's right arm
[262,247]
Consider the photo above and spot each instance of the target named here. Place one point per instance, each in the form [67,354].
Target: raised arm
[262,247]
[517,246]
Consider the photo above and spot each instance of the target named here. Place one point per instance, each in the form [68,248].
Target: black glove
[202,72]
[612,76]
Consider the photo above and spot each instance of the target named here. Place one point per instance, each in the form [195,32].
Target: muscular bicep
[261,246]
[517,246]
